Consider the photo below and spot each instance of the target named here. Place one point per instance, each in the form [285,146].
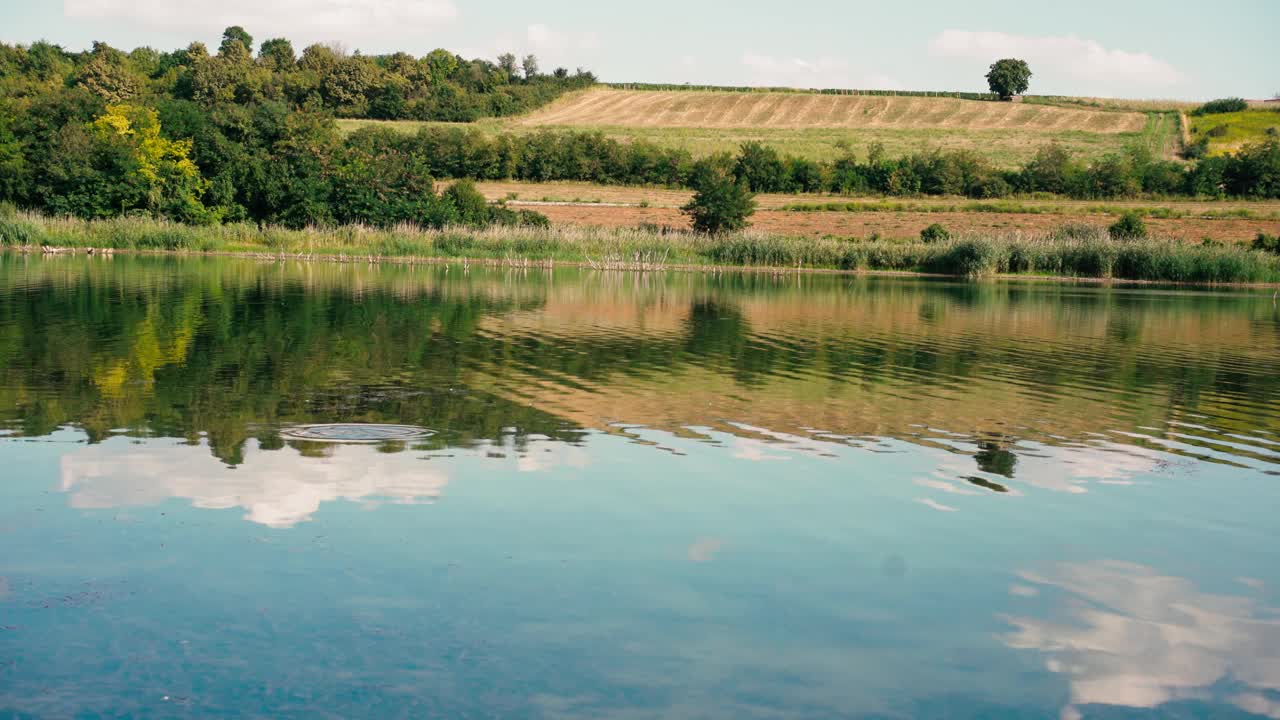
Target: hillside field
[818,126]
[1228,132]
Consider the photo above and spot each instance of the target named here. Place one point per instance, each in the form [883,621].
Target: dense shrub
[1130,226]
[1267,243]
[934,233]
[1225,105]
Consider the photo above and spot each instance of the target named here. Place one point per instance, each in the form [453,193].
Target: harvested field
[905,224]
[821,127]
[637,108]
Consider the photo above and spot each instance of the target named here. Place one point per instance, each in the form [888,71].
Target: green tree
[348,85]
[721,203]
[14,173]
[120,163]
[470,206]
[530,65]
[235,35]
[441,65]
[507,64]
[1009,77]
[107,75]
[277,55]
[762,169]
[1051,170]
[317,58]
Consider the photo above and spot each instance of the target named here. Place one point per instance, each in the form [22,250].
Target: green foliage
[1130,226]
[106,74]
[1254,171]
[721,203]
[934,233]
[1009,77]
[762,169]
[237,35]
[1225,105]
[1267,243]
[277,55]
[468,204]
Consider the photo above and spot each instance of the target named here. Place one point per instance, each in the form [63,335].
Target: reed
[1079,252]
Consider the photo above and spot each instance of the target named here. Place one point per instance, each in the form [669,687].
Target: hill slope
[692,109]
[820,127]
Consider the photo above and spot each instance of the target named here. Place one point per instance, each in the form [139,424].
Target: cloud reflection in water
[1133,637]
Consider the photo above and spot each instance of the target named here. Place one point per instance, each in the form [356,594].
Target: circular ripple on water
[356,433]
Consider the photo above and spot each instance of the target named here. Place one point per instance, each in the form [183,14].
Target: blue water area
[640,496]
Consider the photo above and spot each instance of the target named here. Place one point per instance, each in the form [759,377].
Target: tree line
[438,86]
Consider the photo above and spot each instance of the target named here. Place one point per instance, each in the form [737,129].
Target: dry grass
[1089,253]
[819,127]
[638,108]
[582,193]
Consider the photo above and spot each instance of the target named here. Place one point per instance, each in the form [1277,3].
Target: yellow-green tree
[120,163]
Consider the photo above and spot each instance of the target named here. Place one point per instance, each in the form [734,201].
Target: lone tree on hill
[1009,77]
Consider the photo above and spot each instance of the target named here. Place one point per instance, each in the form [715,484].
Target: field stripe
[693,109]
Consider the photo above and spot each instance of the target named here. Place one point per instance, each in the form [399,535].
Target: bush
[721,204]
[1267,243]
[971,258]
[1130,226]
[1196,150]
[1225,105]
[934,233]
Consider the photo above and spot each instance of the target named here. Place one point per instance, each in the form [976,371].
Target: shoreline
[1071,254]
[606,266]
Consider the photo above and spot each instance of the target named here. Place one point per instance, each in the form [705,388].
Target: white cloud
[300,20]
[542,38]
[1062,58]
[823,72]
[936,505]
[1127,635]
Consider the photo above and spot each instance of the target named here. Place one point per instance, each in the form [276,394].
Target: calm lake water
[681,495]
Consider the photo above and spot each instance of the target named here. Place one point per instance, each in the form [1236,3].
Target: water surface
[684,495]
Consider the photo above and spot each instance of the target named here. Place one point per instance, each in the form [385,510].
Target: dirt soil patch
[907,224]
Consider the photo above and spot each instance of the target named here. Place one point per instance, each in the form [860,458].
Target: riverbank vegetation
[1069,251]
[236,138]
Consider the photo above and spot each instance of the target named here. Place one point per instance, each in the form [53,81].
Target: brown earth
[589,193]
[907,224]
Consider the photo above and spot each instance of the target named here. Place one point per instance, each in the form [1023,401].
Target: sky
[1135,49]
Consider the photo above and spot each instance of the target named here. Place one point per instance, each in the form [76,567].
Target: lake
[631,495]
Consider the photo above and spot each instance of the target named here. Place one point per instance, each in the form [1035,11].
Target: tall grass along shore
[1069,252]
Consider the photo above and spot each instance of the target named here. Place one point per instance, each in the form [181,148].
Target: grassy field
[1228,132]
[818,126]
[1076,254]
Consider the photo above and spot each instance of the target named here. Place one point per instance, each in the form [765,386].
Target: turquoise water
[642,495]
